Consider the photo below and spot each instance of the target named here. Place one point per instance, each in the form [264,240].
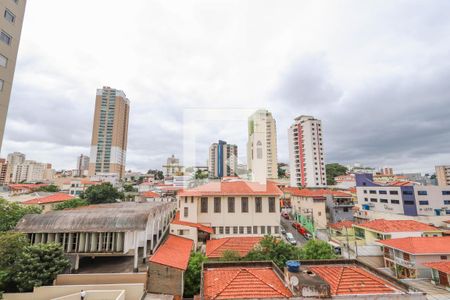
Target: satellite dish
[293,280]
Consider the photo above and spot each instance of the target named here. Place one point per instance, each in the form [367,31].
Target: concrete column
[136,252]
[152,233]
[144,254]
[77,263]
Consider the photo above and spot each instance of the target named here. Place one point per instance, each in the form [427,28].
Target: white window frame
[5,59]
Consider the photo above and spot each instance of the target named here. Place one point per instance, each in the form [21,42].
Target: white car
[290,238]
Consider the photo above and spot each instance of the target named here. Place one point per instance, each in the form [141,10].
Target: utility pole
[348,243]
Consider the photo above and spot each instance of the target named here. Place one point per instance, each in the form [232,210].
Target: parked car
[295,225]
[290,238]
[283,231]
[307,236]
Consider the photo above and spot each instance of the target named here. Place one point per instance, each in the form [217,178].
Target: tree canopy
[199,174]
[102,193]
[192,276]
[11,213]
[72,203]
[11,247]
[334,170]
[49,188]
[317,249]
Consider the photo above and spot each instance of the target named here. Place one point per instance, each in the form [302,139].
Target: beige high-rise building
[110,133]
[262,162]
[31,171]
[443,175]
[11,19]
[13,159]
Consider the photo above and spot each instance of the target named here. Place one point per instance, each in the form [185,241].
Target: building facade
[110,133]
[3,170]
[10,29]
[262,162]
[82,165]
[306,155]
[31,171]
[173,167]
[13,159]
[443,175]
[222,160]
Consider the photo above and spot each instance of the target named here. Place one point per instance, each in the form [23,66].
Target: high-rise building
[110,133]
[306,155]
[443,175]
[31,171]
[262,162]
[3,170]
[222,160]
[13,159]
[82,165]
[11,20]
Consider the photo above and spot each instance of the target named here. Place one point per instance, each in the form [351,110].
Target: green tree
[274,249]
[281,171]
[128,188]
[11,213]
[102,193]
[192,276]
[317,249]
[38,265]
[72,203]
[230,255]
[159,175]
[334,170]
[199,174]
[11,247]
[49,188]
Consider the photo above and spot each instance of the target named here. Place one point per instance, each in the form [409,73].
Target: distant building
[47,203]
[82,165]
[417,177]
[443,175]
[31,171]
[387,171]
[110,133]
[222,160]
[262,162]
[345,181]
[13,159]
[3,171]
[306,154]
[173,167]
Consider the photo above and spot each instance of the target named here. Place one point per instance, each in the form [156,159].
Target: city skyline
[383,106]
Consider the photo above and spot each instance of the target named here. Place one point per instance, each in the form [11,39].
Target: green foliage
[128,188]
[102,193]
[192,276]
[72,203]
[11,247]
[334,170]
[199,174]
[49,188]
[317,249]
[281,172]
[159,175]
[11,213]
[38,265]
[274,249]
[230,255]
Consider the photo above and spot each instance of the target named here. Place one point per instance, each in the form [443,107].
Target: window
[382,192]
[373,200]
[1,85]
[269,229]
[443,257]
[215,230]
[422,193]
[408,202]
[241,229]
[235,230]
[227,229]
[221,229]
[186,212]
[447,202]
[217,204]
[407,192]
[249,229]
[395,201]
[423,202]
[5,38]
[372,192]
[365,191]
[383,200]
[258,204]
[231,204]
[9,16]
[255,229]
[3,61]
[366,199]
[276,229]
[263,229]
[445,193]
[204,204]
[244,204]
[393,192]
[272,204]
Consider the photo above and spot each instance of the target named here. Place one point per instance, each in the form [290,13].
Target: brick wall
[165,280]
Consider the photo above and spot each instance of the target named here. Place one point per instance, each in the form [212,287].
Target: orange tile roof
[443,266]
[201,227]
[175,252]
[242,245]
[382,225]
[420,245]
[316,193]
[150,194]
[238,188]
[58,197]
[30,186]
[352,280]
[342,224]
[243,283]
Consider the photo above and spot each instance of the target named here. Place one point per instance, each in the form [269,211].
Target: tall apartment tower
[443,175]
[222,160]
[110,133]
[82,165]
[306,158]
[262,162]
[13,159]
[11,20]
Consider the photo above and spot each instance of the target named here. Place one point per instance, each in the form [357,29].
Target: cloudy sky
[375,72]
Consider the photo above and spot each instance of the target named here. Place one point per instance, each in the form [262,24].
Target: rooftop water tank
[293,266]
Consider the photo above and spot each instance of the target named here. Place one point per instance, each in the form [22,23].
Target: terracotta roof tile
[420,245]
[242,245]
[238,187]
[342,224]
[175,252]
[151,194]
[58,197]
[243,283]
[383,225]
[201,227]
[443,266]
[352,280]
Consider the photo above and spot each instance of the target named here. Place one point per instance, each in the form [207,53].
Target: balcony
[404,262]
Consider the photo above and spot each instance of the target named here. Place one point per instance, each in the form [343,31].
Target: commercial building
[306,154]
[11,20]
[443,175]
[82,165]
[109,133]
[13,159]
[222,160]
[173,167]
[262,161]
[31,171]
[115,229]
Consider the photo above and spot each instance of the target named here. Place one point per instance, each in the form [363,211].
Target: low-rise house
[76,187]
[167,266]
[194,231]
[342,231]
[241,246]
[406,256]
[47,203]
[153,197]
[23,188]
[440,273]
[339,206]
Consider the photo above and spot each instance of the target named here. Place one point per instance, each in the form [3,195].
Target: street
[287,225]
